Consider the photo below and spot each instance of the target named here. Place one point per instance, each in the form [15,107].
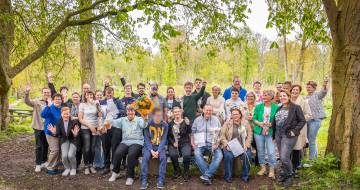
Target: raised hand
[49,77]
[106,82]
[27,88]
[49,101]
[75,130]
[52,129]
[204,83]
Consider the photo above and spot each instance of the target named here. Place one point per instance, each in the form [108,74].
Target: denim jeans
[229,162]
[68,155]
[285,146]
[313,129]
[88,150]
[185,152]
[263,142]
[99,155]
[145,166]
[205,168]
[41,147]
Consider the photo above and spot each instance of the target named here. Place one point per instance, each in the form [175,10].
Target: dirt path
[17,172]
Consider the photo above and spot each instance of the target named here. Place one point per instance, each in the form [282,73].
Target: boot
[262,170]
[272,172]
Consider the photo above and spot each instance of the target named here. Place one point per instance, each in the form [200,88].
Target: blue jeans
[313,129]
[99,155]
[229,162]
[145,166]
[208,170]
[263,142]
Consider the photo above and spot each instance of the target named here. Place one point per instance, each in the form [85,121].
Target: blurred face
[57,101]
[295,92]
[284,98]
[257,87]
[141,90]
[177,112]
[188,89]
[89,97]
[310,89]
[65,115]
[64,92]
[170,93]
[46,93]
[208,111]
[130,114]
[286,87]
[98,95]
[234,95]
[128,90]
[235,115]
[215,92]
[154,90]
[267,97]
[198,84]
[250,98]
[237,83]
[109,94]
[76,99]
[278,87]
[157,117]
[86,88]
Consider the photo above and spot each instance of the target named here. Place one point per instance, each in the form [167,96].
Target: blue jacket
[155,136]
[227,93]
[52,115]
[119,105]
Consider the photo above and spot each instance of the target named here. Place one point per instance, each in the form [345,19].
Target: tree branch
[92,6]
[332,14]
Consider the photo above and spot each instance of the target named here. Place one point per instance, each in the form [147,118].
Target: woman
[171,102]
[288,122]
[235,128]
[74,111]
[249,107]
[264,114]
[179,142]
[296,98]
[99,156]
[90,117]
[218,103]
[315,100]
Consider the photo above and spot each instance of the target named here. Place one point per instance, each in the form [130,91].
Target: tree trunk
[299,72]
[344,129]
[6,44]
[87,62]
[285,58]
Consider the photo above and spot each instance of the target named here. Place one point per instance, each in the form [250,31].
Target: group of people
[259,126]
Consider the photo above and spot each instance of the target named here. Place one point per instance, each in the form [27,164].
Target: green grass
[15,129]
[323,131]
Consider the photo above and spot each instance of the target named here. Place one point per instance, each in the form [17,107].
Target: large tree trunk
[87,62]
[344,131]
[6,44]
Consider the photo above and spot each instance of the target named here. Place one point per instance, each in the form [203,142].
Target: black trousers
[79,152]
[41,147]
[88,148]
[175,153]
[296,158]
[106,145]
[133,152]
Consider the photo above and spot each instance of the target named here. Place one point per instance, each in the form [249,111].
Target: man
[236,84]
[278,86]
[159,101]
[155,141]
[63,91]
[128,97]
[234,101]
[257,90]
[205,138]
[202,101]
[41,148]
[189,101]
[113,109]
[131,143]
[287,85]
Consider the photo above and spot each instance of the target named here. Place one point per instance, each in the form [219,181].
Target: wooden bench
[19,113]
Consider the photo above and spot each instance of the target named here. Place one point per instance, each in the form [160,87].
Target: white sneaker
[72,172]
[45,165]
[307,165]
[92,170]
[87,171]
[66,172]
[38,168]
[129,181]
[114,176]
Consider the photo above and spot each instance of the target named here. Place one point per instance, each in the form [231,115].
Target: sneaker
[205,179]
[66,172]
[160,185]
[38,168]
[114,176]
[87,171]
[307,165]
[92,170]
[144,185]
[54,172]
[72,172]
[129,181]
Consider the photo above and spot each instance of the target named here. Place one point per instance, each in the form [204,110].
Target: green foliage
[15,129]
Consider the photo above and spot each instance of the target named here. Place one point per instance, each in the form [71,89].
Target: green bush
[324,164]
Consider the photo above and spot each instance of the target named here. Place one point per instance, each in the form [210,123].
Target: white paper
[199,139]
[236,147]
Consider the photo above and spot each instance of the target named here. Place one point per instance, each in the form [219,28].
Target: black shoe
[105,171]
[228,180]
[177,174]
[186,176]
[287,182]
[206,180]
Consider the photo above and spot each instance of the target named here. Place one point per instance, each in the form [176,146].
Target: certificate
[199,139]
[236,147]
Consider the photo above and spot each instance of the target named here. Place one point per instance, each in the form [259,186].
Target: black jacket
[293,123]
[185,131]
[60,131]
[203,98]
